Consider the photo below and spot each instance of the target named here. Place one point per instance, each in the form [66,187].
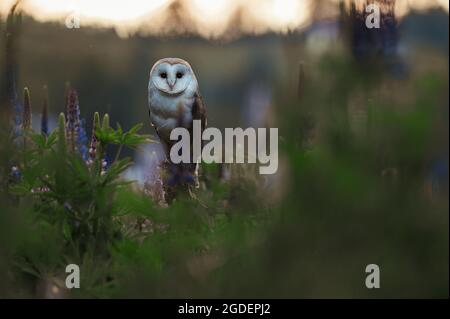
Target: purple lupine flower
[75,131]
[72,118]
[82,141]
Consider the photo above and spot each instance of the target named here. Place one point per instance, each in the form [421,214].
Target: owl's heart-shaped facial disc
[171,78]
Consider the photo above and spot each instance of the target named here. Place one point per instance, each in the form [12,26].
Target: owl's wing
[199,109]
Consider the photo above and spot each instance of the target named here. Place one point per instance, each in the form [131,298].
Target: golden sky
[209,18]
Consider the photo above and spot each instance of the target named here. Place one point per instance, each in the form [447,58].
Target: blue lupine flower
[82,140]
[75,127]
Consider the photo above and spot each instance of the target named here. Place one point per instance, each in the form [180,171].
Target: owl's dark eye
[179,75]
[163,75]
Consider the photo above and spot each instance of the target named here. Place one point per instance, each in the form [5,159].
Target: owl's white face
[172,78]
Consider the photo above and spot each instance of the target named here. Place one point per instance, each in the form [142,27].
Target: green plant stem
[118,152]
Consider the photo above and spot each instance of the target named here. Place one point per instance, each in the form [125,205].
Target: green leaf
[106,135]
[114,171]
[62,135]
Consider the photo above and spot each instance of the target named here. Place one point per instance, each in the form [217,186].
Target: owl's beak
[171,84]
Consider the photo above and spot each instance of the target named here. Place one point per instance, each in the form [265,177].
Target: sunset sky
[204,17]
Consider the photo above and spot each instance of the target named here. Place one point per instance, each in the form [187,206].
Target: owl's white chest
[170,111]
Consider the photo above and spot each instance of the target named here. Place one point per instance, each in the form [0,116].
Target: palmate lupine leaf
[104,133]
[79,169]
[131,138]
[43,142]
[107,135]
[114,171]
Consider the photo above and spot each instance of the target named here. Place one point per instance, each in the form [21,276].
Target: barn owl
[174,99]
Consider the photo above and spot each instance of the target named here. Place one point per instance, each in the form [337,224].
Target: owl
[174,99]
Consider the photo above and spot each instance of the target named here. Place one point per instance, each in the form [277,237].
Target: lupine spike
[82,141]
[44,114]
[76,134]
[26,115]
[93,145]
[105,124]
[73,118]
[62,134]
[96,123]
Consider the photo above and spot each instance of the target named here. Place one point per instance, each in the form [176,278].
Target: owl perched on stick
[174,101]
